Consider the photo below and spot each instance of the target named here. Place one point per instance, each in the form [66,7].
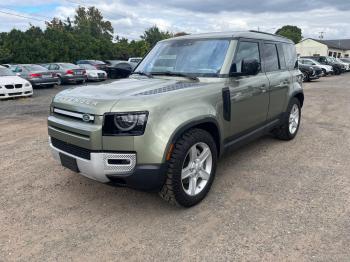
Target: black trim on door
[226,99]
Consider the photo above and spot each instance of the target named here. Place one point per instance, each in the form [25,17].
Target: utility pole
[321,35]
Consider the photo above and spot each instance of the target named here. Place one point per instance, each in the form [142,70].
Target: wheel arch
[208,124]
[300,97]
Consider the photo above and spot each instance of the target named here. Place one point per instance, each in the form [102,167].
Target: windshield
[69,66]
[313,62]
[331,59]
[34,68]
[191,57]
[6,72]
[87,66]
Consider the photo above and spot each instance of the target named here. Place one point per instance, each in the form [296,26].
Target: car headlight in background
[131,123]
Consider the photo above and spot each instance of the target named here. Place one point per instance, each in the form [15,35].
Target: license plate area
[69,162]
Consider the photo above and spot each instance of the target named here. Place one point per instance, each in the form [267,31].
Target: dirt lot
[271,200]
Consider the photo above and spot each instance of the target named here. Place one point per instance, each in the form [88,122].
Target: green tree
[90,20]
[87,36]
[153,34]
[292,32]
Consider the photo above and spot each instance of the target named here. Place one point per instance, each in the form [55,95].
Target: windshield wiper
[142,74]
[169,73]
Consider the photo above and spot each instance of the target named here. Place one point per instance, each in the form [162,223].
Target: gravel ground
[271,200]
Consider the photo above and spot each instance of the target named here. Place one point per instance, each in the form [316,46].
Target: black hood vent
[173,87]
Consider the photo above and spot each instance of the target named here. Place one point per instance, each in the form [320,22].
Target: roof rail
[260,32]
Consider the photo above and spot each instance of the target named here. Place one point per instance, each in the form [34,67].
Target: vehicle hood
[10,80]
[99,99]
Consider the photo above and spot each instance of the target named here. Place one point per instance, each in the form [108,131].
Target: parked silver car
[67,72]
[92,73]
[37,75]
[326,69]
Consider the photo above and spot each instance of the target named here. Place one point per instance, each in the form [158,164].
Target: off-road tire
[283,132]
[172,190]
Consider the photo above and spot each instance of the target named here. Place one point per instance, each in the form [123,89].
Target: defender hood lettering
[99,99]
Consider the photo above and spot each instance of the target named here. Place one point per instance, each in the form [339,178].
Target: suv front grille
[71,149]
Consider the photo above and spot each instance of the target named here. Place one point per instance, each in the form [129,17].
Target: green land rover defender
[191,98]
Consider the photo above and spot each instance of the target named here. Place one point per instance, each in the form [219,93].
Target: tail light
[69,72]
[34,75]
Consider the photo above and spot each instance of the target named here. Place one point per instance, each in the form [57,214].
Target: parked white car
[327,69]
[134,61]
[92,73]
[12,85]
[346,64]
[346,60]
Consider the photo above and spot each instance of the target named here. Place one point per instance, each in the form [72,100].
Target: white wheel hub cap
[294,119]
[196,169]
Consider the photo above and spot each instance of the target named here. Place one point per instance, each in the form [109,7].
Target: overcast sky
[131,17]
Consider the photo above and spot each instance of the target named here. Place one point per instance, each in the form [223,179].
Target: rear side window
[281,57]
[290,56]
[246,50]
[271,58]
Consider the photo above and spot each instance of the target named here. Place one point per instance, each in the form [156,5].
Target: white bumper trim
[97,168]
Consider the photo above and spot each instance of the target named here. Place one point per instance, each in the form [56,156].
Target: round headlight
[125,122]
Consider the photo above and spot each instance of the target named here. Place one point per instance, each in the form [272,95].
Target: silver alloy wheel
[294,119]
[196,169]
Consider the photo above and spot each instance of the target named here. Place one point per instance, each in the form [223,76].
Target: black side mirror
[248,67]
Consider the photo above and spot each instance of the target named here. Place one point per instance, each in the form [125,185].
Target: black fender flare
[186,126]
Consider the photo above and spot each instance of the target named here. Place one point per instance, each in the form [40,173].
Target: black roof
[235,34]
[343,44]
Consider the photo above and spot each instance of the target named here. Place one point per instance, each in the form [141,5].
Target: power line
[30,13]
[23,16]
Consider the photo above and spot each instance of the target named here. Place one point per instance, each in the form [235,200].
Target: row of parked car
[20,79]
[314,67]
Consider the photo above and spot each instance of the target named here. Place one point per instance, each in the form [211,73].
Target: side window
[246,50]
[281,57]
[271,58]
[290,56]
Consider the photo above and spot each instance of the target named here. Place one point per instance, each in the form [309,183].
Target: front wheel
[291,122]
[191,170]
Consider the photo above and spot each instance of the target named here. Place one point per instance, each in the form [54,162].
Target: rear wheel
[291,121]
[191,170]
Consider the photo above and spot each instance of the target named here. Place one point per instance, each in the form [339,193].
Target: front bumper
[15,93]
[117,168]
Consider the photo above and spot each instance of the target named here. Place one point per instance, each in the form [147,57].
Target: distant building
[315,47]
